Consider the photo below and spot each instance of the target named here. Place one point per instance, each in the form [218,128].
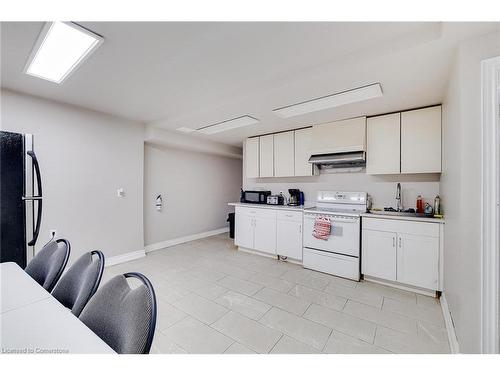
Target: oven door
[344,235]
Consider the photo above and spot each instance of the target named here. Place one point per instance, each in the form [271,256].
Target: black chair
[48,265]
[123,317]
[80,282]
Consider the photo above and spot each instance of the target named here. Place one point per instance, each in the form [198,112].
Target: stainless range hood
[339,145]
[339,160]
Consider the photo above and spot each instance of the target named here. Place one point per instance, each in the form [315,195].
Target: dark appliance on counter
[277,200]
[295,197]
[256,197]
[20,198]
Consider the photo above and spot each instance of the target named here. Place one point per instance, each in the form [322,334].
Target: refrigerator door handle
[38,198]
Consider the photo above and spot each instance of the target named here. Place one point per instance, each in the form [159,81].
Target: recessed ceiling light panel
[336,100]
[183,129]
[61,47]
[234,123]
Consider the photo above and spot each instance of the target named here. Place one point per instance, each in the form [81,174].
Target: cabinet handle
[393,241]
[399,241]
[300,228]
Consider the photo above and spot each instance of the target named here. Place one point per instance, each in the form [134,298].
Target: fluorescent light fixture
[185,130]
[234,123]
[336,100]
[60,48]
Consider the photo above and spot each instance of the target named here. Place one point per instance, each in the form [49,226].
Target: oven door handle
[333,219]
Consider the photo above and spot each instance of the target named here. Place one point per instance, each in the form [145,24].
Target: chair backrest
[48,265]
[123,317]
[80,282]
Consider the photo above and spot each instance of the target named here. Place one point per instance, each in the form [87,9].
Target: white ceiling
[195,74]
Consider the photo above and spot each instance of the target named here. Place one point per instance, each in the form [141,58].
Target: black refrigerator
[20,198]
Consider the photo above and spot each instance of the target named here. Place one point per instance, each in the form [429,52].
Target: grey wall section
[195,187]
[84,156]
[462,191]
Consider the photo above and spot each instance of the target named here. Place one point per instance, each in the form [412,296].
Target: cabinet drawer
[401,226]
[257,212]
[334,264]
[290,215]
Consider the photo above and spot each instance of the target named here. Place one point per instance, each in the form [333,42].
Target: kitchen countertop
[268,206]
[366,214]
[406,218]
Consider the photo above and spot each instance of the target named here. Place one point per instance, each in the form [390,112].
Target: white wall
[461,187]
[196,188]
[84,156]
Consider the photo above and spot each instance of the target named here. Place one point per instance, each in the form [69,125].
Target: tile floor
[215,299]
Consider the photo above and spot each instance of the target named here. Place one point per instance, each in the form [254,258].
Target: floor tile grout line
[276,343]
[295,338]
[222,333]
[327,340]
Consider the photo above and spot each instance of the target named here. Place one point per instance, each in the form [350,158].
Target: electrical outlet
[53,233]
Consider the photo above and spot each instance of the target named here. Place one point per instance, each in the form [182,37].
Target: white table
[32,321]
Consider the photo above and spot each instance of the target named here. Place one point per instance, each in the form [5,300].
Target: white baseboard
[127,257]
[450,328]
[179,240]
[409,288]
[256,252]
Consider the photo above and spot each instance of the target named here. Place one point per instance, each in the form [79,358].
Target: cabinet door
[252,157]
[418,260]
[421,140]
[378,257]
[383,144]
[284,154]
[289,239]
[265,235]
[302,153]
[266,152]
[244,231]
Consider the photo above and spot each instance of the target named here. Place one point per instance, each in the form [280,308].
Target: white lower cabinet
[270,231]
[243,230]
[379,254]
[403,251]
[289,234]
[265,235]
[418,260]
[255,228]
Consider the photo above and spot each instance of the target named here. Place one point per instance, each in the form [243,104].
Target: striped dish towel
[322,228]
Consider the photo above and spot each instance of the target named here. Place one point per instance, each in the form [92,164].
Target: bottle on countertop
[420,205]
[437,205]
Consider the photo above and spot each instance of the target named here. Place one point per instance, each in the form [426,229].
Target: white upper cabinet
[284,154]
[421,140]
[383,144]
[339,136]
[302,152]
[266,152]
[252,157]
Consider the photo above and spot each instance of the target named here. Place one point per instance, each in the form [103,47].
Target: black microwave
[258,197]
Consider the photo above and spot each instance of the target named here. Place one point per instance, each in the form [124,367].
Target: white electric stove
[339,254]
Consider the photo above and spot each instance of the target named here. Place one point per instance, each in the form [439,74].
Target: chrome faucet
[399,206]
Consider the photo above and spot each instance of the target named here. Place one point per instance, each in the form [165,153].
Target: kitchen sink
[398,213]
